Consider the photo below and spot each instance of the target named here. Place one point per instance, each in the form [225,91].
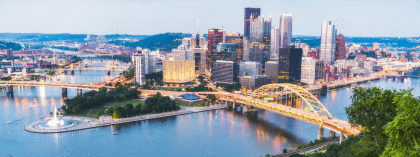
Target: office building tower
[308,70]
[226,51]
[275,34]
[182,53]
[340,52]
[186,42]
[178,71]
[198,38]
[250,12]
[320,71]
[246,50]
[328,36]
[259,39]
[272,70]
[285,30]
[150,60]
[200,60]
[238,40]
[139,67]
[214,37]
[224,71]
[290,60]
[250,68]
[9,53]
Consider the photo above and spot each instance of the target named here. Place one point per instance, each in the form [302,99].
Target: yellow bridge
[97,66]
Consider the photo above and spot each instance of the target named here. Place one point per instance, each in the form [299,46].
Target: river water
[213,133]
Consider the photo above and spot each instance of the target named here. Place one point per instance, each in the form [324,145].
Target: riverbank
[89,123]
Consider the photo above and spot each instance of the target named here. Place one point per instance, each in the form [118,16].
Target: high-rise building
[259,39]
[272,70]
[200,60]
[226,51]
[285,30]
[238,40]
[290,60]
[139,71]
[186,42]
[198,38]
[182,53]
[340,52]
[274,41]
[320,71]
[328,36]
[214,37]
[9,54]
[224,71]
[254,12]
[308,70]
[178,71]
[150,60]
[250,68]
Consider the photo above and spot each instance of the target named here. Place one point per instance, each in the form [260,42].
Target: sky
[363,18]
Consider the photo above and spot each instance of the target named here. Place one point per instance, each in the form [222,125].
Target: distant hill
[9,45]
[38,37]
[164,42]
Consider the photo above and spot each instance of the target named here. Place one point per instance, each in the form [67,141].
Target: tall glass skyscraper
[285,30]
[254,12]
[259,40]
[274,41]
[328,45]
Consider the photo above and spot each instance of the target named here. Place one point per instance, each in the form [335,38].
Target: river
[213,133]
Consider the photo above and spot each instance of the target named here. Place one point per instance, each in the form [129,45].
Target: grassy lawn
[91,112]
[192,105]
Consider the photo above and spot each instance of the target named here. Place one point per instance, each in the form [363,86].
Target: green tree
[284,151]
[372,108]
[404,130]
[211,98]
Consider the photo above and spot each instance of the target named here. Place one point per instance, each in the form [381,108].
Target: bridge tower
[109,69]
[71,68]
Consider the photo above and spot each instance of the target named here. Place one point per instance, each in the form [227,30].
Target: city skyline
[373,18]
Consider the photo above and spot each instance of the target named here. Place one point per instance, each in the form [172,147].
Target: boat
[8,122]
[115,133]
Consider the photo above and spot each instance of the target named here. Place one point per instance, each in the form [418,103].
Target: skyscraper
[215,36]
[285,30]
[254,12]
[275,41]
[308,70]
[290,60]
[340,52]
[259,39]
[139,73]
[328,36]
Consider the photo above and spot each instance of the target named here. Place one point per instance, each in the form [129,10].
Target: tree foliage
[404,130]
[96,98]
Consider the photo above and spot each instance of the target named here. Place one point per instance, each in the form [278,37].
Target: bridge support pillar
[320,133]
[72,72]
[245,109]
[233,105]
[78,91]
[341,137]
[64,92]
[9,91]
[108,73]
[402,79]
[393,79]
[332,134]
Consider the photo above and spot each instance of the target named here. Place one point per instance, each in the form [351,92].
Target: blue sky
[370,18]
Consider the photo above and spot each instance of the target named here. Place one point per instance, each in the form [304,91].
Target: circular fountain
[54,124]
